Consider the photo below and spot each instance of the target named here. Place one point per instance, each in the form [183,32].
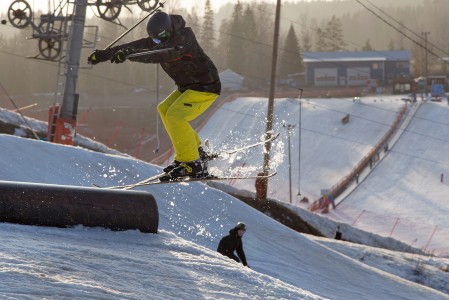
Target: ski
[208,157]
[132,185]
[212,156]
[154,180]
[192,179]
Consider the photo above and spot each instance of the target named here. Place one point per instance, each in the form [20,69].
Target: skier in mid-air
[195,76]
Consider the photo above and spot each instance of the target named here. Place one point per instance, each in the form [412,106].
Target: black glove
[120,56]
[98,56]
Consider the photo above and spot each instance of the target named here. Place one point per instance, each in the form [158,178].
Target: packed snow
[404,195]
[180,262]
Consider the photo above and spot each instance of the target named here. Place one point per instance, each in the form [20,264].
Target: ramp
[66,206]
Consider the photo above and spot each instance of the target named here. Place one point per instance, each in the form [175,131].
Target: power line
[49,63]
[304,128]
[409,30]
[401,32]
[315,30]
[265,45]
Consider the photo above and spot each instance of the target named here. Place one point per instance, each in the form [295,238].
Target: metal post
[157,113]
[68,109]
[299,144]
[269,127]
[289,131]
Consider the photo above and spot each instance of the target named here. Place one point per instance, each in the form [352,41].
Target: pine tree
[321,43]
[334,35]
[291,61]
[193,20]
[265,20]
[391,45]
[236,49]
[207,37]
[367,46]
[250,35]
[306,35]
[223,40]
[306,41]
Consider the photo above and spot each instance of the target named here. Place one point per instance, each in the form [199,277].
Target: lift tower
[60,36]
[65,124]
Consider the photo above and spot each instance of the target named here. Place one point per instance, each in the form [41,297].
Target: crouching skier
[233,243]
[196,77]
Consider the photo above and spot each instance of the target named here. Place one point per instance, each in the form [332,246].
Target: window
[376,66]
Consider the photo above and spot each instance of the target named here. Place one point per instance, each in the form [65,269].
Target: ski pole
[134,26]
[150,52]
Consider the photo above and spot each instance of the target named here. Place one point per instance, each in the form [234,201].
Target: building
[357,68]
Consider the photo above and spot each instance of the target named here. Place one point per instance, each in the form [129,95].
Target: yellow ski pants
[176,111]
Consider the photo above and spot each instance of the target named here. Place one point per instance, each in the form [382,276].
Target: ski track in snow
[181,261]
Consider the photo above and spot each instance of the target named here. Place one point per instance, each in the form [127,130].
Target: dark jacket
[188,66]
[229,244]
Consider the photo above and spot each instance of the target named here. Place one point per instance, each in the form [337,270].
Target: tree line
[239,37]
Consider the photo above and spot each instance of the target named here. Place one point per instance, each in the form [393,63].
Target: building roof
[396,55]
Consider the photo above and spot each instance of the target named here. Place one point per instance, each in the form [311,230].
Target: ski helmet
[159,27]
[241,226]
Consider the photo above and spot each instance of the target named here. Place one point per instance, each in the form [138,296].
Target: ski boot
[192,169]
[171,166]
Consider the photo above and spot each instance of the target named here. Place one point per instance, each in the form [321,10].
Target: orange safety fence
[338,188]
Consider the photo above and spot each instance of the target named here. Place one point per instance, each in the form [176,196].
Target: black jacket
[229,244]
[188,66]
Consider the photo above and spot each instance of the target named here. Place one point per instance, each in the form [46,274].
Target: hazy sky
[43,4]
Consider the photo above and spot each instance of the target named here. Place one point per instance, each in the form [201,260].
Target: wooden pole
[269,126]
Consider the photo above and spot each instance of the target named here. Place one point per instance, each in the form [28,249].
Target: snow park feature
[68,206]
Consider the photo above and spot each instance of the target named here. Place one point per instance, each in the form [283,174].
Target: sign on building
[326,77]
[358,76]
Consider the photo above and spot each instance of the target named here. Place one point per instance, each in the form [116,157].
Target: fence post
[394,226]
[355,221]
[431,237]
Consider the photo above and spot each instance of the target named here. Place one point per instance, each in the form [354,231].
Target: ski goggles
[161,37]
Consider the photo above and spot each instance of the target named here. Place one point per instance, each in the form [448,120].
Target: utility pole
[299,144]
[426,68]
[269,127]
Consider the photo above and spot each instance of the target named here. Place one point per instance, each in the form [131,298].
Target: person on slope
[233,242]
[196,77]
